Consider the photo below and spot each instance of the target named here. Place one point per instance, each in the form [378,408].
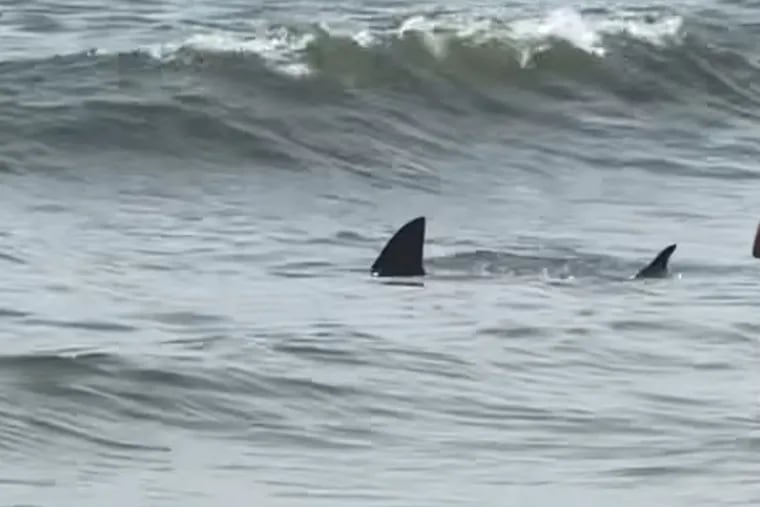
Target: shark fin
[402,254]
[659,266]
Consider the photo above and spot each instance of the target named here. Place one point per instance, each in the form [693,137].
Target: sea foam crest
[278,46]
[282,48]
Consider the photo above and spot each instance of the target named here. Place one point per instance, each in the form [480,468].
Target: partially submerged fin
[402,255]
[659,266]
[756,243]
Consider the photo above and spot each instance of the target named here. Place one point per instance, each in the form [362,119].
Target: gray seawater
[192,194]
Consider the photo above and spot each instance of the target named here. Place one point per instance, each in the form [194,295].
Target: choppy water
[192,194]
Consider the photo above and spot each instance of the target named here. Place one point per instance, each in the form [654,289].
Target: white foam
[282,48]
[276,45]
[348,29]
[428,29]
[532,35]
[566,24]
[658,32]
[364,38]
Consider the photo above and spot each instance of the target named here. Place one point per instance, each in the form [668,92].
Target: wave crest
[496,41]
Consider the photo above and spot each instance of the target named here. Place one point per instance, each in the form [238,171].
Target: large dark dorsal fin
[402,255]
[659,266]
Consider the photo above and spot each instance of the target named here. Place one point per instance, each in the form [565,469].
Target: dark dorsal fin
[402,255]
[659,266]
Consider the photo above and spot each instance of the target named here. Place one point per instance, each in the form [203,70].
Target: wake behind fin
[659,266]
[402,255]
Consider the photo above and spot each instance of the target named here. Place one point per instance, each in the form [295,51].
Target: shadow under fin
[659,266]
[402,255]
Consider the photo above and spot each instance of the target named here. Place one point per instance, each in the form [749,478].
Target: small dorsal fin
[402,255]
[659,266]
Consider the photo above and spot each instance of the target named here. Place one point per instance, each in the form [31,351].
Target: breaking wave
[358,93]
[641,55]
[455,39]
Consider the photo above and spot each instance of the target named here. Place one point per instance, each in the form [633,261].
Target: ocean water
[192,194]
